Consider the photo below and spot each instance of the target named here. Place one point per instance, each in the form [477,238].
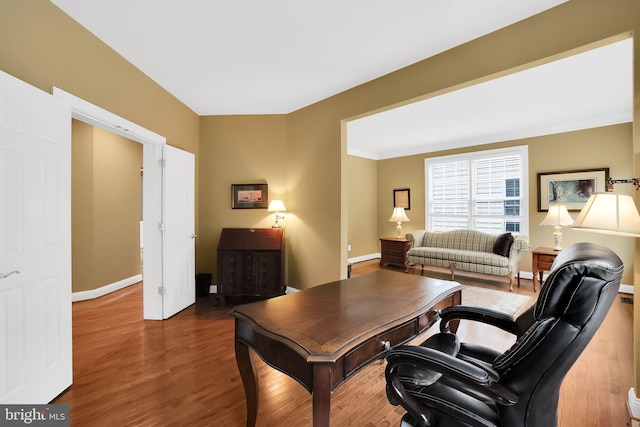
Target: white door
[178,238]
[35,244]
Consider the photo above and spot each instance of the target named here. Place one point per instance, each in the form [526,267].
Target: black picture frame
[249,196]
[576,185]
[402,198]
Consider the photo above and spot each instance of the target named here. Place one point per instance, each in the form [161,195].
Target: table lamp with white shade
[557,217]
[398,216]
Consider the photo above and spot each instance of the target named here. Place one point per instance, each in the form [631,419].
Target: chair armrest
[478,314]
[471,375]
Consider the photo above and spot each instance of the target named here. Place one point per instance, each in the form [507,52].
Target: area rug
[497,300]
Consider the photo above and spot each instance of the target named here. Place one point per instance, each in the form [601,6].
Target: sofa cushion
[467,240]
[456,255]
[503,243]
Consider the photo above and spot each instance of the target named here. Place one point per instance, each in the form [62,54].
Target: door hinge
[161,226]
[162,290]
[162,163]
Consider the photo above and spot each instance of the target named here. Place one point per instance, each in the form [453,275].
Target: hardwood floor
[182,371]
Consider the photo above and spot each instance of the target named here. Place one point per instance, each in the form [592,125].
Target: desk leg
[250,381]
[321,394]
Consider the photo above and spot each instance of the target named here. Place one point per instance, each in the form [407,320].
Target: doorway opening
[152,190]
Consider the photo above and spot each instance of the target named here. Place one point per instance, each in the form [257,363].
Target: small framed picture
[402,199]
[249,196]
[570,188]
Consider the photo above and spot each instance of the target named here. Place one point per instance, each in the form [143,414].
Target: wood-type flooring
[182,371]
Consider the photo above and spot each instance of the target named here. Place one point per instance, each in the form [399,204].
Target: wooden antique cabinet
[394,251]
[251,262]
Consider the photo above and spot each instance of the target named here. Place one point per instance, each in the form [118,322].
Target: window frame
[472,158]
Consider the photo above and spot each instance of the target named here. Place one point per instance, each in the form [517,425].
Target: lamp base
[399,230]
[557,238]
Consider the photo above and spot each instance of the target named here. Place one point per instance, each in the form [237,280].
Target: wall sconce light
[557,216]
[398,216]
[634,181]
[277,206]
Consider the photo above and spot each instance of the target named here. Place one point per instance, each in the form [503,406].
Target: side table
[394,251]
[542,260]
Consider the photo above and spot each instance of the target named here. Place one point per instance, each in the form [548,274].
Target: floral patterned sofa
[467,250]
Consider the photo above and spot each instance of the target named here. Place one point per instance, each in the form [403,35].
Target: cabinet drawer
[545,261]
[394,250]
[374,348]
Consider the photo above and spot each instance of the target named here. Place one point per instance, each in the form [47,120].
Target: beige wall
[44,47]
[106,207]
[362,196]
[238,150]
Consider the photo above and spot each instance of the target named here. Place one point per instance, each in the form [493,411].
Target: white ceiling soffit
[274,57]
[583,91]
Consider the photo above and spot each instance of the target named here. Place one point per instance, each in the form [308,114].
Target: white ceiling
[273,57]
[583,91]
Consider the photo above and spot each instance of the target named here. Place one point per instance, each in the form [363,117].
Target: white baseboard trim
[634,403]
[363,258]
[625,289]
[104,290]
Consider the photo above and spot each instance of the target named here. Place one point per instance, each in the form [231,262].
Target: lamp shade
[398,215]
[276,206]
[557,215]
[609,213]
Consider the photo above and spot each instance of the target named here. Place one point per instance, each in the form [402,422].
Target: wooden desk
[322,335]
[542,260]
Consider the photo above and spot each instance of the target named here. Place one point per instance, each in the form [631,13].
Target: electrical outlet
[348,248]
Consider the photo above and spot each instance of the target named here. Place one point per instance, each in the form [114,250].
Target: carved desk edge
[291,358]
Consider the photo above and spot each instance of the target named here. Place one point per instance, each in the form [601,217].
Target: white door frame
[152,190]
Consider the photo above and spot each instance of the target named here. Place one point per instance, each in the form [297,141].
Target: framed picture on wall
[402,199]
[249,196]
[570,188]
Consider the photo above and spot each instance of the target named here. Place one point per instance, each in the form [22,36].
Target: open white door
[35,244]
[178,238]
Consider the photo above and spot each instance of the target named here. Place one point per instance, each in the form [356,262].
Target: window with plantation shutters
[485,191]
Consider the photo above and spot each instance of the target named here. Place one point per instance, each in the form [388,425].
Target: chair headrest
[578,275]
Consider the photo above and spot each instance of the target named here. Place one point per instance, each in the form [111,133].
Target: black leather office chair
[446,383]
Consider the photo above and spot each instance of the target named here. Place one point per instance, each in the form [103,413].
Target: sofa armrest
[416,237]
[520,244]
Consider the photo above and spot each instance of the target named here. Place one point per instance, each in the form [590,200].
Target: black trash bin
[203,283]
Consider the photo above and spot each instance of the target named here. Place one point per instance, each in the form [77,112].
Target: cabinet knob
[386,345]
